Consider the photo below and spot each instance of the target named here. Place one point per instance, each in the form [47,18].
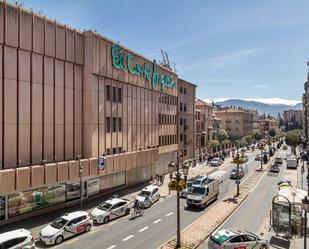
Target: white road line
[169,214]
[127,238]
[157,221]
[111,247]
[143,229]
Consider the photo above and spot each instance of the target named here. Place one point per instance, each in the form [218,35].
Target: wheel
[59,240]
[127,211]
[106,220]
[87,228]
[264,247]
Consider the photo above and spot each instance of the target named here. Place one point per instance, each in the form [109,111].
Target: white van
[220,175]
[291,163]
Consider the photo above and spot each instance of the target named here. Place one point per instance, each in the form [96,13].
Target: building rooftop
[223,111]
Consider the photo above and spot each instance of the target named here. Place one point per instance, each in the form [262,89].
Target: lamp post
[81,170]
[238,160]
[262,148]
[185,170]
[305,204]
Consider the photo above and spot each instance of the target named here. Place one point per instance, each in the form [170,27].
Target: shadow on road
[278,242]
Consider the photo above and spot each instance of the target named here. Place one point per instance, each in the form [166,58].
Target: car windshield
[144,193]
[215,159]
[198,191]
[59,223]
[197,182]
[234,170]
[104,206]
[189,184]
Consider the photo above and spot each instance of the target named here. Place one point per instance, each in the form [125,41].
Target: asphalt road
[251,214]
[157,225]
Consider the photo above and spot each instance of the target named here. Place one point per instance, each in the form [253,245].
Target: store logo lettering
[121,61]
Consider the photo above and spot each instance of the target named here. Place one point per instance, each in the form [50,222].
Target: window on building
[119,95]
[180,90]
[114,94]
[108,93]
[181,121]
[108,152]
[184,90]
[180,106]
[159,118]
[181,137]
[184,107]
[184,121]
[120,124]
[108,124]
[160,142]
[119,150]
[185,138]
[114,125]
[114,151]
[184,152]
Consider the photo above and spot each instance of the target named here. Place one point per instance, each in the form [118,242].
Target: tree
[272,132]
[213,143]
[248,139]
[256,136]
[222,135]
[293,138]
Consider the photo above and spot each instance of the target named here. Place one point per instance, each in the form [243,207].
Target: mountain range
[267,107]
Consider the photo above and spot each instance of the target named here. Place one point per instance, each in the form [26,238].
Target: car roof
[114,201]
[74,215]
[150,188]
[14,234]
[223,235]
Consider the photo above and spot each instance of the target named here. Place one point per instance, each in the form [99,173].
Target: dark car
[233,174]
[274,168]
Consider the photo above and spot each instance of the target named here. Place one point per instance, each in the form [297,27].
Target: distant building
[204,125]
[266,124]
[237,122]
[256,125]
[293,116]
[305,100]
[186,119]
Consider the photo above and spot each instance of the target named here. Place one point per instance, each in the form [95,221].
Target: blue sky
[240,48]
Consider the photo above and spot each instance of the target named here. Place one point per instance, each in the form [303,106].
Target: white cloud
[270,101]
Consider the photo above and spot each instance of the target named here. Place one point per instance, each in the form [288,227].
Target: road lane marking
[143,229]
[72,240]
[111,247]
[169,214]
[157,221]
[127,238]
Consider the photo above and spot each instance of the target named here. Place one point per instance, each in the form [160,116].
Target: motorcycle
[136,213]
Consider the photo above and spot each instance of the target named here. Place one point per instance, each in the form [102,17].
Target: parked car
[20,238]
[149,195]
[66,226]
[216,162]
[236,239]
[284,147]
[110,209]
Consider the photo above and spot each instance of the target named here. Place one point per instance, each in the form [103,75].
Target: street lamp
[178,184]
[238,160]
[305,204]
[81,170]
[261,148]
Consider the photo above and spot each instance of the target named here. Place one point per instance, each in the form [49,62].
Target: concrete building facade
[237,122]
[293,116]
[68,94]
[186,119]
[204,125]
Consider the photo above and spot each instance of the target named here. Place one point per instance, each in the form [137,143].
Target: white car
[236,239]
[66,226]
[148,195]
[216,162]
[17,239]
[110,209]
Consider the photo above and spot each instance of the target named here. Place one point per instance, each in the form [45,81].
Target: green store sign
[123,61]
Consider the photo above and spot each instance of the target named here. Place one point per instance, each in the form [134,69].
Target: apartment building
[237,122]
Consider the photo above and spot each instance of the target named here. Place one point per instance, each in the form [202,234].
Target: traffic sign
[101,164]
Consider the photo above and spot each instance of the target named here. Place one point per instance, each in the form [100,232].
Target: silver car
[236,239]
[148,196]
[20,238]
[110,209]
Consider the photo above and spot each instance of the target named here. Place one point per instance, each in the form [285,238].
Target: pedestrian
[157,179]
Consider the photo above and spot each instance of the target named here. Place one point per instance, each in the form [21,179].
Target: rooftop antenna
[164,60]
[167,59]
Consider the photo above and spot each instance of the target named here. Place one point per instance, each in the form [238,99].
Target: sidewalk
[194,234]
